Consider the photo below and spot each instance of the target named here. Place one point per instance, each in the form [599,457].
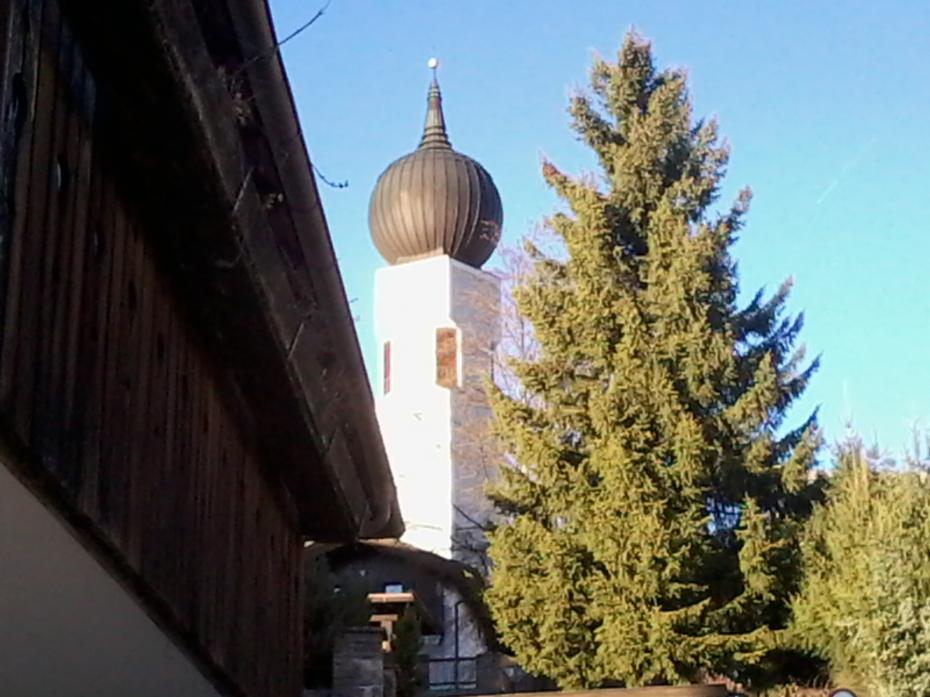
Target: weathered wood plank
[60,262]
[125,373]
[133,382]
[174,467]
[48,262]
[57,58]
[14,112]
[20,78]
[187,461]
[205,475]
[111,477]
[235,537]
[91,349]
[194,474]
[11,36]
[156,480]
[106,378]
[71,347]
[145,454]
[31,209]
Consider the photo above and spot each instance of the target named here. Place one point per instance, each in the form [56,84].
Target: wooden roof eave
[280,322]
[346,392]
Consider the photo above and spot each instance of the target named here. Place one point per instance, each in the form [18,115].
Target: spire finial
[434,130]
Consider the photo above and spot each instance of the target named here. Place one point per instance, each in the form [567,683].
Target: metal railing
[446,674]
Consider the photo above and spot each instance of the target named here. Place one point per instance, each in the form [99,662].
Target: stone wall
[358,663]
[476,312]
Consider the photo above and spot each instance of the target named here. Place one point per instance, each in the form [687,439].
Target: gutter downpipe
[455,620]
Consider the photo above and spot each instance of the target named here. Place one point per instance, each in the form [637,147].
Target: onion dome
[435,200]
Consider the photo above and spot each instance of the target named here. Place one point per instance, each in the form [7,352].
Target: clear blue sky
[826,106]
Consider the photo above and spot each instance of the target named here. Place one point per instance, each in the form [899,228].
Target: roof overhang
[205,109]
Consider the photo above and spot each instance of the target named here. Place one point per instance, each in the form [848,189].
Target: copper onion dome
[435,200]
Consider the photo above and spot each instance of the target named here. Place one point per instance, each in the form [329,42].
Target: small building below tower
[459,652]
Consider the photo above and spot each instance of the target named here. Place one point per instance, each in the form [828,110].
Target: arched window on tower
[447,362]
[386,367]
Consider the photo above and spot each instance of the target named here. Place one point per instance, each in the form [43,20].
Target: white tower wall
[435,436]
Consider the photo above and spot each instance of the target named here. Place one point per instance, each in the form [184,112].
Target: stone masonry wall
[358,663]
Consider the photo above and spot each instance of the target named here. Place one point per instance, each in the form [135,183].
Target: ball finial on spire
[435,200]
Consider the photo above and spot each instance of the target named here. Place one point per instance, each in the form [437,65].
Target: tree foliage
[865,599]
[328,610]
[405,645]
[654,495]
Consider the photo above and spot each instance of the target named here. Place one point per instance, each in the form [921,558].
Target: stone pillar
[390,677]
[358,663]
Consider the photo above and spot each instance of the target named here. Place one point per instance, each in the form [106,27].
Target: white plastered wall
[430,432]
[67,627]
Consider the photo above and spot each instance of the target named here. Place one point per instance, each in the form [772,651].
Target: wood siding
[107,389]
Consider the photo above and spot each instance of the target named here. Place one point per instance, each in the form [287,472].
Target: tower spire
[434,130]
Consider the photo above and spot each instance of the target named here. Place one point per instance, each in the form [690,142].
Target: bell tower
[435,217]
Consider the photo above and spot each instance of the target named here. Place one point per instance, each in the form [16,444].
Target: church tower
[435,217]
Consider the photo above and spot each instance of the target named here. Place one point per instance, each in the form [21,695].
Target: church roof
[466,581]
[435,200]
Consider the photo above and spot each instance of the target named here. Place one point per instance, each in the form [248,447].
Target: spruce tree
[653,495]
[864,604]
[405,646]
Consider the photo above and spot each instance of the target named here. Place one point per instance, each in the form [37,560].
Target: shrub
[864,604]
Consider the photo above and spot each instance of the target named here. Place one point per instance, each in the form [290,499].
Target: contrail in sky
[847,168]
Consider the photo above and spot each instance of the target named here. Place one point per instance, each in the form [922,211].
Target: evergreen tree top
[652,510]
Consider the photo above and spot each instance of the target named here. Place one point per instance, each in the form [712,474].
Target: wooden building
[182,397]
